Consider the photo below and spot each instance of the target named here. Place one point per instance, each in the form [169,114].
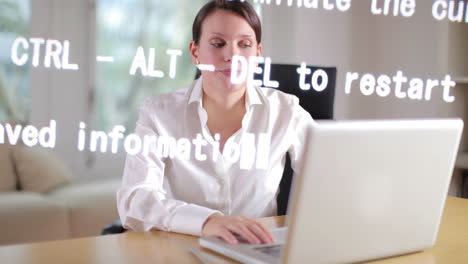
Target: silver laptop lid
[370,189]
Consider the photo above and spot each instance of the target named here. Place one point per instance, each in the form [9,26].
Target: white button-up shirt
[183,178]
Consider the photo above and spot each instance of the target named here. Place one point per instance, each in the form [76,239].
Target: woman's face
[223,35]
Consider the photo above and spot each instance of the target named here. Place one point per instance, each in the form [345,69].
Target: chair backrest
[318,104]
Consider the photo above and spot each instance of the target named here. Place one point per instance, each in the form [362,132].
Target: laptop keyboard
[274,250]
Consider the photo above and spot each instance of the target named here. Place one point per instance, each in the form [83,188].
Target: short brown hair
[239,7]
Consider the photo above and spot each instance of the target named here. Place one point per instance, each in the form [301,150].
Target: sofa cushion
[8,180]
[7,171]
[30,217]
[92,205]
[39,169]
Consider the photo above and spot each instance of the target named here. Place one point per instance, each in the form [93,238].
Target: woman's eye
[246,45]
[217,44]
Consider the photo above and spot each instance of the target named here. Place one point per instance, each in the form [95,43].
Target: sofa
[39,201]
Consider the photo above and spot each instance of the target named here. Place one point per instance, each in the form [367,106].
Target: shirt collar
[252,94]
[196,94]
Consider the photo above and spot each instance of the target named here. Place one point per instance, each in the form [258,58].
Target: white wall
[359,41]
[418,46]
[293,35]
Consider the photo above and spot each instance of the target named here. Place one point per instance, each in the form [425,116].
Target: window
[122,27]
[15,95]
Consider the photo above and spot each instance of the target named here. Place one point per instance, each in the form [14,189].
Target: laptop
[368,190]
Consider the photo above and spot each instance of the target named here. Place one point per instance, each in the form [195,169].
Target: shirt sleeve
[301,123]
[141,200]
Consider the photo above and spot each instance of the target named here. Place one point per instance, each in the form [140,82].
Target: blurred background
[104,94]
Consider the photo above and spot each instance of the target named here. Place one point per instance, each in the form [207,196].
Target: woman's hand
[226,227]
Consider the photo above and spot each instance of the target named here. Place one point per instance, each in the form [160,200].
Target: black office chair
[318,104]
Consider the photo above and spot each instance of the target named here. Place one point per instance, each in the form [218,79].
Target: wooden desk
[163,247]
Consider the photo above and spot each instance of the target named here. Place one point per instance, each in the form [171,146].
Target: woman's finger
[242,230]
[227,236]
[260,232]
[267,231]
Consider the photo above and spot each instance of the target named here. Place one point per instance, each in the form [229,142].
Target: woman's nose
[229,52]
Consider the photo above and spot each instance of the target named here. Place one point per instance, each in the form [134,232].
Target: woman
[209,193]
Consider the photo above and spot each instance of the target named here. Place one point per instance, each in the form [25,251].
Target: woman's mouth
[226,72]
